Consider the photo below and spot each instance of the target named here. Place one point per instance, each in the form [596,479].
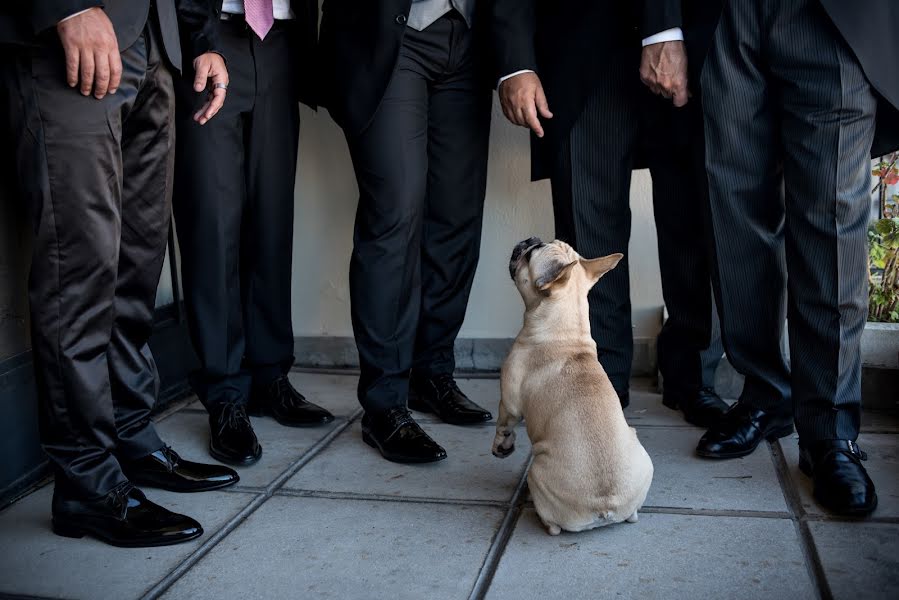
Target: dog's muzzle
[523,251]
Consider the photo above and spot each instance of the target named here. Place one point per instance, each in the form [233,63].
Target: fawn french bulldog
[589,468]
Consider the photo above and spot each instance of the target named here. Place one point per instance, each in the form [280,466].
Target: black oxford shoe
[703,408]
[441,395]
[232,439]
[166,470]
[841,483]
[280,400]
[739,432]
[399,438]
[123,517]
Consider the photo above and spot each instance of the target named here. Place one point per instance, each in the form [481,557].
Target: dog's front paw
[504,444]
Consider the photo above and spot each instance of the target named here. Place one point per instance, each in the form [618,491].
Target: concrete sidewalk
[323,516]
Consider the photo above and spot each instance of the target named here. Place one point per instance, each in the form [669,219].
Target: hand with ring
[210,67]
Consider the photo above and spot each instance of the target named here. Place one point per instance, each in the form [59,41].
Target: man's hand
[663,68]
[92,52]
[210,71]
[522,99]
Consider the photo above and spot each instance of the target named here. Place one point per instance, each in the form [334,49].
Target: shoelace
[118,497]
[171,457]
[234,415]
[398,417]
[444,384]
[286,395]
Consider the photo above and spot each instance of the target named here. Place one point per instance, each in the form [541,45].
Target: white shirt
[669,35]
[281,8]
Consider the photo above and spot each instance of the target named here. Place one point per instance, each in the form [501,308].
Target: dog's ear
[556,273]
[597,267]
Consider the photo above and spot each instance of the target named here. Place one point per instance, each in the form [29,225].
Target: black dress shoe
[166,470]
[232,439]
[624,398]
[399,438]
[703,408]
[740,430]
[280,400]
[841,483]
[123,517]
[441,395]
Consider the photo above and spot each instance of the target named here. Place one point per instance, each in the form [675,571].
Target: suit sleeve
[199,23]
[47,13]
[513,25]
[660,15]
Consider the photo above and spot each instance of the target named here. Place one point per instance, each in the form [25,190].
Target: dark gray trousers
[789,132]
[421,166]
[234,205]
[96,176]
[591,204]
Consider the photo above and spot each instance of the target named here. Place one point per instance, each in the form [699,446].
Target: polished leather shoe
[841,483]
[702,408]
[232,439]
[440,395]
[166,470]
[280,400]
[123,517]
[740,430]
[399,438]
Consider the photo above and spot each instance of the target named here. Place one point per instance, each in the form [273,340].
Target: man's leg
[266,247]
[273,128]
[148,140]
[209,198]
[591,203]
[70,169]
[745,195]
[743,160]
[390,159]
[458,135]
[828,127]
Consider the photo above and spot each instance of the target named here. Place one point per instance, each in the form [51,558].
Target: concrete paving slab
[37,562]
[683,480]
[188,433]
[882,465]
[470,472]
[859,559]
[662,556]
[880,421]
[337,393]
[328,548]
[646,409]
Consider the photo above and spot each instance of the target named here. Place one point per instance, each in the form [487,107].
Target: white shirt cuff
[76,14]
[675,34]
[511,75]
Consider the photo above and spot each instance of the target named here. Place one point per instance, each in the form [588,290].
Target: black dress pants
[234,205]
[591,179]
[789,141]
[95,174]
[421,168]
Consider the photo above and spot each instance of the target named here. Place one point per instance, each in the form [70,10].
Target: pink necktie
[259,15]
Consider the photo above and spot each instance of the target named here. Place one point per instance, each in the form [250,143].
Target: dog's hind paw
[553,529]
[633,518]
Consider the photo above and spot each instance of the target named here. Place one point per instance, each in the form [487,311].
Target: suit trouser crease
[421,170]
[789,180]
[234,211]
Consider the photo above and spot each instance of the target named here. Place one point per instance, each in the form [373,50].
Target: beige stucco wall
[326,199]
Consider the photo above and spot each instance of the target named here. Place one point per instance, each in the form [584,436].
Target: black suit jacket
[32,22]
[870,28]
[306,14]
[359,44]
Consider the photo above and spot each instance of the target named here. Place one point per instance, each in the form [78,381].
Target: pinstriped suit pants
[789,127]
